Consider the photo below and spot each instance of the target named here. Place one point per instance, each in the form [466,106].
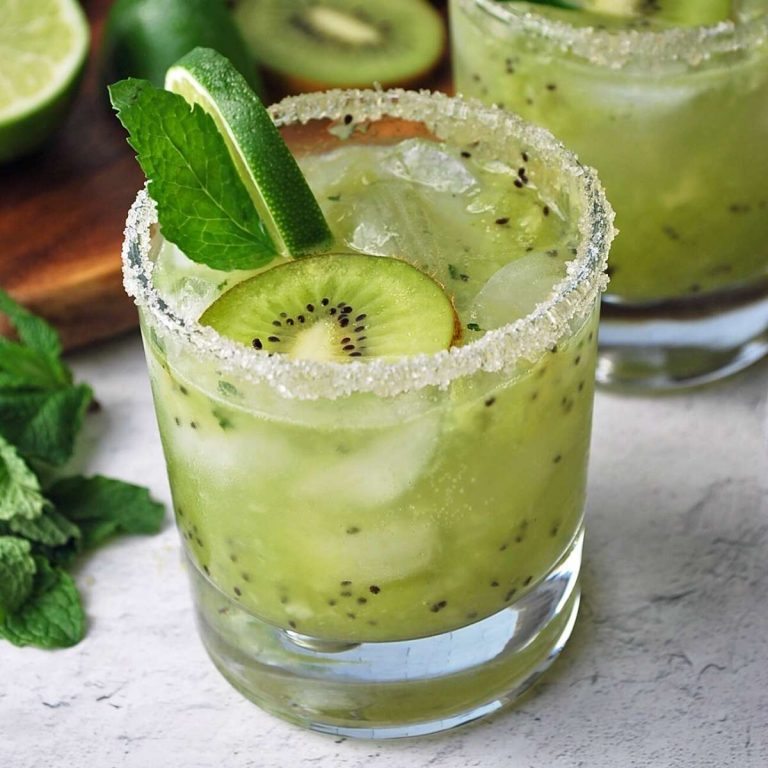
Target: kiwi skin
[292,85]
[279,82]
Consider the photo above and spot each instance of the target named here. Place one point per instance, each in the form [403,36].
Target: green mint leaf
[102,506]
[33,331]
[50,535]
[52,616]
[51,529]
[43,425]
[25,368]
[34,363]
[17,572]
[20,494]
[202,204]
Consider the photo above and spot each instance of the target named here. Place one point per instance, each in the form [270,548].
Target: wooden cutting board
[62,214]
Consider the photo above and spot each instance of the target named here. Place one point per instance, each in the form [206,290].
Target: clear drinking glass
[676,123]
[385,548]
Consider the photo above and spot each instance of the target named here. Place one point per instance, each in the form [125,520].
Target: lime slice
[43,46]
[277,187]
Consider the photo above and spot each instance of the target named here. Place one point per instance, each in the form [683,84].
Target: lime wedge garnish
[277,187]
[43,45]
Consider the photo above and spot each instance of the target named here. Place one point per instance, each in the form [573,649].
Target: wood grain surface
[62,213]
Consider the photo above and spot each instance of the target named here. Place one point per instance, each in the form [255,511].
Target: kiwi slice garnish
[338,307]
[317,44]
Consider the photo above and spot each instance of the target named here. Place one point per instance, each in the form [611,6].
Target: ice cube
[370,470]
[423,162]
[516,289]
[393,220]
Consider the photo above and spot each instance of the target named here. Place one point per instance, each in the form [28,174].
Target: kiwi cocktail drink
[669,101]
[386,441]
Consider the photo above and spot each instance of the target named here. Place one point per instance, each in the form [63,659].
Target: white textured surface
[668,665]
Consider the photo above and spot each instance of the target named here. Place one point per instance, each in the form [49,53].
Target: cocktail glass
[676,123]
[391,547]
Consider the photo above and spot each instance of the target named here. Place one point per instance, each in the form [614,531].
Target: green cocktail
[390,546]
[670,102]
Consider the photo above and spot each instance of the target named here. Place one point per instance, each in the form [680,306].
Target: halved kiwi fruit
[318,44]
[338,307]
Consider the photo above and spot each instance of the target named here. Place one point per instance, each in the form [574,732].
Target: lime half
[279,191]
[43,46]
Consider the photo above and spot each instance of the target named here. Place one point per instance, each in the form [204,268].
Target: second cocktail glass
[676,122]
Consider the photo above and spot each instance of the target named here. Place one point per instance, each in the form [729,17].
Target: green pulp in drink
[678,144]
[364,518]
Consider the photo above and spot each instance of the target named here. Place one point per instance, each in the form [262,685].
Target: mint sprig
[41,409]
[20,495]
[17,573]
[102,507]
[203,205]
[52,616]
[43,423]
[45,525]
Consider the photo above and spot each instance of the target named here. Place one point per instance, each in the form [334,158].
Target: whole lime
[144,37]
[43,47]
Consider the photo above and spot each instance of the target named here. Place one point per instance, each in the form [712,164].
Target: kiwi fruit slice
[338,308]
[318,44]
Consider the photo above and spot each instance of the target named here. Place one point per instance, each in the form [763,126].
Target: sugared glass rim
[525,339]
[615,48]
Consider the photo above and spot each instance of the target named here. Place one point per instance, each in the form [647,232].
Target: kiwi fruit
[317,44]
[338,308]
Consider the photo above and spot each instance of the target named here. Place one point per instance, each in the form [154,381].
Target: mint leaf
[50,535]
[24,368]
[102,506]
[33,331]
[52,616]
[17,571]
[43,425]
[20,494]
[41,410]
[34,363]
[203,205]
[51,529]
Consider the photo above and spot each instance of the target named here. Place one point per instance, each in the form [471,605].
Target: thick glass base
[392,689]
[679,344]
